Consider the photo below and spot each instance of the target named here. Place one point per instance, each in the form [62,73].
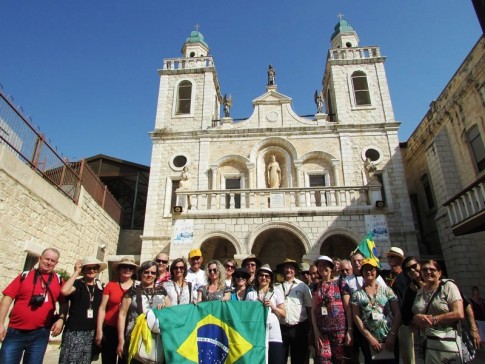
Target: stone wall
[35,215]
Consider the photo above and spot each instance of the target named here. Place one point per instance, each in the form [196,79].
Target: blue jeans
[31,343]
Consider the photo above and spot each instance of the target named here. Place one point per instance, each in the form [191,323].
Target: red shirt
[115,294]
[25,317]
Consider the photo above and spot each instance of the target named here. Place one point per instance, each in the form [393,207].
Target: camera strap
[46,284]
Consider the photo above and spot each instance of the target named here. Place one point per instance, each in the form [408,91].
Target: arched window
[477,147]
[361,88]
[184,97]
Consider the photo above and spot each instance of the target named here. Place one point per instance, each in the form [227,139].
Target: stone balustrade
[275,199]
[354,53]
[187,63]
[466,210]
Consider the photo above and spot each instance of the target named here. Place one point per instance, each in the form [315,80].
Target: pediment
[272,97]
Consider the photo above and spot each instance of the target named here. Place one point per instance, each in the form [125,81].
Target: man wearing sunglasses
[162,264]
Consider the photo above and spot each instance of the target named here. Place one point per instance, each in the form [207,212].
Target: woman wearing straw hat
[84,297]
[106,329]
[274,300]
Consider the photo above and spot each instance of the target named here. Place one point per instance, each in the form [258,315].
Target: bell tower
[355,84]
[189,94]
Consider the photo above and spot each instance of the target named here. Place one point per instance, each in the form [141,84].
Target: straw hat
[125,261]
[398,252]
[94,261]
[292,262]
[267,269]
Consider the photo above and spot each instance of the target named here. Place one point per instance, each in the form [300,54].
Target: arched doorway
[217,248]
[273,246]
[339,246]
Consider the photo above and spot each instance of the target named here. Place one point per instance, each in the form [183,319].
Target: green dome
[342,26]
[196,37]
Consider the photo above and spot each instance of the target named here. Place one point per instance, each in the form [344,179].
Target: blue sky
[86,71]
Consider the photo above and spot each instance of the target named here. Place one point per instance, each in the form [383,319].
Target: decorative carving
[227,103]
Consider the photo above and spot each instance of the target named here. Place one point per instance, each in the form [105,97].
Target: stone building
[277,185]
[444,162]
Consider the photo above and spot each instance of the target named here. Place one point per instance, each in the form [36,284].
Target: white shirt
[357,282]
[273,331]
[297,298]
[197,279]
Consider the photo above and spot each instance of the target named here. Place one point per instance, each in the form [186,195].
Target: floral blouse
[376,313]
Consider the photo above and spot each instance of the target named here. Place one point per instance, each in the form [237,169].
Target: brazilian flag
[214,332]
[367,248]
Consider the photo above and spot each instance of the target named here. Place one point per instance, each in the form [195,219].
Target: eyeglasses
[195,258]
[161,261]
[127,266]
[229,266]
[213,270]
[265,276]
[150,272]
[250,264]
[91,267]
[414,266]
[179,267]
[429,270]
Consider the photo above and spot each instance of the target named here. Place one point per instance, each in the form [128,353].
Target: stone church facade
[277,185]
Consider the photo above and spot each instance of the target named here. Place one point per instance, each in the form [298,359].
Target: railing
[354,53]
[287,198]
[30,146]
[468,203]
[187,63]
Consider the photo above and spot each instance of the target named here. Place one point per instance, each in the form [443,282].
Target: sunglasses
[213,270]
[91,267]
[127,266]
[240,277]
[161,261]
[179,268]
[150,272]
[429,270]
[265,276]
[228,266]
[414,266]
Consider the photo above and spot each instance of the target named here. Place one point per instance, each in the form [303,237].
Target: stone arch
[285,153]
[319,163]
[337,243]
[219,245]
[233,166]
[275,241]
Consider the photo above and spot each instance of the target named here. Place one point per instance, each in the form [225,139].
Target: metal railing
[31,146]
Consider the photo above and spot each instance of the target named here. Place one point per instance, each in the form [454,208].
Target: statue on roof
[227,103]
[271,75]
[318,97]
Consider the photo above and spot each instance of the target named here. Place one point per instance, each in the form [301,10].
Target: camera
[37,300]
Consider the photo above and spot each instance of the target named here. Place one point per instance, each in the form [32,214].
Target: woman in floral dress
[331,318]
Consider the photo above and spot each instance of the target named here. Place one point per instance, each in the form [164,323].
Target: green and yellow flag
[214,332]
[367,248]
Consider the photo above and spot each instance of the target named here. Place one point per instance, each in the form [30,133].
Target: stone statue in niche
[271,75]
[184,183]
[370,167]
[274,173]
[227,103]
[318,97]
